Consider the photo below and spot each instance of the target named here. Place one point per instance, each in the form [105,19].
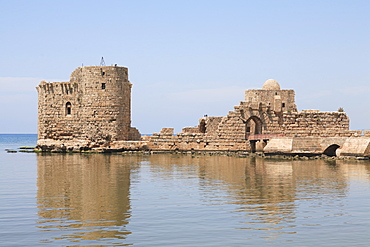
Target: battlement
[57,88]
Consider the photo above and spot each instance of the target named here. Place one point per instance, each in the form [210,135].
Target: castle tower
[278,100]
[95,105]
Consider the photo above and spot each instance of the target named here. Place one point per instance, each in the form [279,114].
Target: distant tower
[279,100]
[95,105]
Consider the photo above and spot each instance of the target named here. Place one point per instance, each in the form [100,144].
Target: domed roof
[271,84]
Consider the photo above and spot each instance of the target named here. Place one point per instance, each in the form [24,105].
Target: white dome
[271,84]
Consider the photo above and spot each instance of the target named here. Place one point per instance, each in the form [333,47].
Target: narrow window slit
[68,108]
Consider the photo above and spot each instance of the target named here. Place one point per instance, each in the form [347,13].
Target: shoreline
[193,153]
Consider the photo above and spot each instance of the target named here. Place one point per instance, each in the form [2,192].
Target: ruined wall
[210,125]
[316,123]
[192,141]
[134,134]
[54,122]
[190,130]
[268,112]
[231,132]
[94,105]
[93,110]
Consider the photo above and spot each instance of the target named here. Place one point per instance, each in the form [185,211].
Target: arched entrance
[253,126]
[330,151]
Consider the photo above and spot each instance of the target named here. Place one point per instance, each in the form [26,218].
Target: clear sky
[189,58]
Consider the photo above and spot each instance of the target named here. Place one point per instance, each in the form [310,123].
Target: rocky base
[57,146]
[280,146]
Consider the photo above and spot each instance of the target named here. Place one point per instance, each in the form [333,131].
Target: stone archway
[253,126]
[331,150]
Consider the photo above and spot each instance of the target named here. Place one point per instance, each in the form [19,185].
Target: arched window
[68,108]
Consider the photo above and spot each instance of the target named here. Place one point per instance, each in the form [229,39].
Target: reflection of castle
[265,193]
[83,198]
[86,192]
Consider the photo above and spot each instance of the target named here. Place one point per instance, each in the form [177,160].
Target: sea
[179,200]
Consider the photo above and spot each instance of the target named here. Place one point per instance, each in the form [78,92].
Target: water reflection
[267,193]
[116,199]
[84,197]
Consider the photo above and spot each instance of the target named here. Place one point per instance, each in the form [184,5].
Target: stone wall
[267,112]
[92,111]
[315,123]
[134,134]
[167,131]
[305,145]
[192,142]
[210,125]
[190,130]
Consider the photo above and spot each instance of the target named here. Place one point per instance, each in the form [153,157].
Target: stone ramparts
[92,112]
[184,142]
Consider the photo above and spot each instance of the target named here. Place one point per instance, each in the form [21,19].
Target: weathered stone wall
[315,123]
[269,112]
[134,134]
[167,131]
[190,130]
[210,125]
[305,145]
[93,110]
[105,101]
[192,141]
[356,146]
[95,105]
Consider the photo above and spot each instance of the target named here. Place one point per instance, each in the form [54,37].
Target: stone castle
[93,112]
[94,107]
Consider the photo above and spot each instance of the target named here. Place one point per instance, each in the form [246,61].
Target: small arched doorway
[253,126]
[68,108]
[331,150]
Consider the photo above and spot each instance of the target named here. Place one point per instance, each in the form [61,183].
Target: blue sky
[189,58]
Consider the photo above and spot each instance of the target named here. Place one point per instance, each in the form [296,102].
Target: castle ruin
[93,112]
[265,114]
[92,109]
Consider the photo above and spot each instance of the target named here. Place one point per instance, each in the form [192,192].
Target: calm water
[168,200]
